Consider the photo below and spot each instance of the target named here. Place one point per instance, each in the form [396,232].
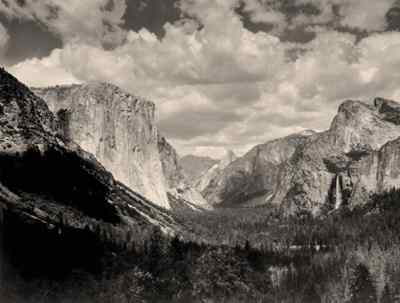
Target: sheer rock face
[177,185]
[207,177]
[48,180]
[119,129]
[309,180]
[376,173]
[356,157]
[253,178]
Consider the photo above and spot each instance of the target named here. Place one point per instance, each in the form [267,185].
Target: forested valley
[230,255]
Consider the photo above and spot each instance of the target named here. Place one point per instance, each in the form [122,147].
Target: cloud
[197,58]
[357,14]
[218,85]
[43,72]
[90,21]
[367,15]
[221,53]
[306,93]
[196,76]
[193,123]
[261,13]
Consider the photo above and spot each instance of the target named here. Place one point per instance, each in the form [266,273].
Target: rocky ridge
[47,180]
[180,192]
[322,173]
[252,178]
[119,129]
[208,176]
[356,157]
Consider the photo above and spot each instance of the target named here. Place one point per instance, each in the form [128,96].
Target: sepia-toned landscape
[199,151]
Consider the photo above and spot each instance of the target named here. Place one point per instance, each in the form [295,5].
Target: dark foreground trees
[280,262]
[362,288]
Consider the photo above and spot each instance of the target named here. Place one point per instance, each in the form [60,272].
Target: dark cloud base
[28,39]
[151,14]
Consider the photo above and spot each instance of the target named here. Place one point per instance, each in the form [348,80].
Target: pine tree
[310,295]
[177,250]
[362,288]
[387,296]
[156,252]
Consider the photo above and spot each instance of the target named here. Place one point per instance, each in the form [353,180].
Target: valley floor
[238,255]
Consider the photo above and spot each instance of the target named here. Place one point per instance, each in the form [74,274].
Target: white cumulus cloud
[218,85]
[90,21]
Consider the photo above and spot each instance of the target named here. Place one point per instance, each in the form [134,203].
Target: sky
[224,74]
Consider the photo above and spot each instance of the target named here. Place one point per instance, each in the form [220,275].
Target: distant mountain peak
[228,158]
[209,176]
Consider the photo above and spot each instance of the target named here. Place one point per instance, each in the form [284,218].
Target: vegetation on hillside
[244,255]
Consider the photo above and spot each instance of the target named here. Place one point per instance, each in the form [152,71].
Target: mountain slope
[119,129]
[211,174]
[48,181]
[321,172]
[376,173]
[181,194]
[318,171]
[251,179]
[195,166]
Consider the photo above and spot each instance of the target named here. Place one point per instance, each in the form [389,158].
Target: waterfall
[338,195]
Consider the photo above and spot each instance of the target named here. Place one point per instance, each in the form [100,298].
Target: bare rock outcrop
[119,129]
[253,178]
[211,174]
[343,166]
[180,191]
[321,173]
[48,180]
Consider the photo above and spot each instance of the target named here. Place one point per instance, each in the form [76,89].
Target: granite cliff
[48,183]
[377,172]
[252,178]
[356,157]
[119,129]
[322,172]
[214,171]
[180,192]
